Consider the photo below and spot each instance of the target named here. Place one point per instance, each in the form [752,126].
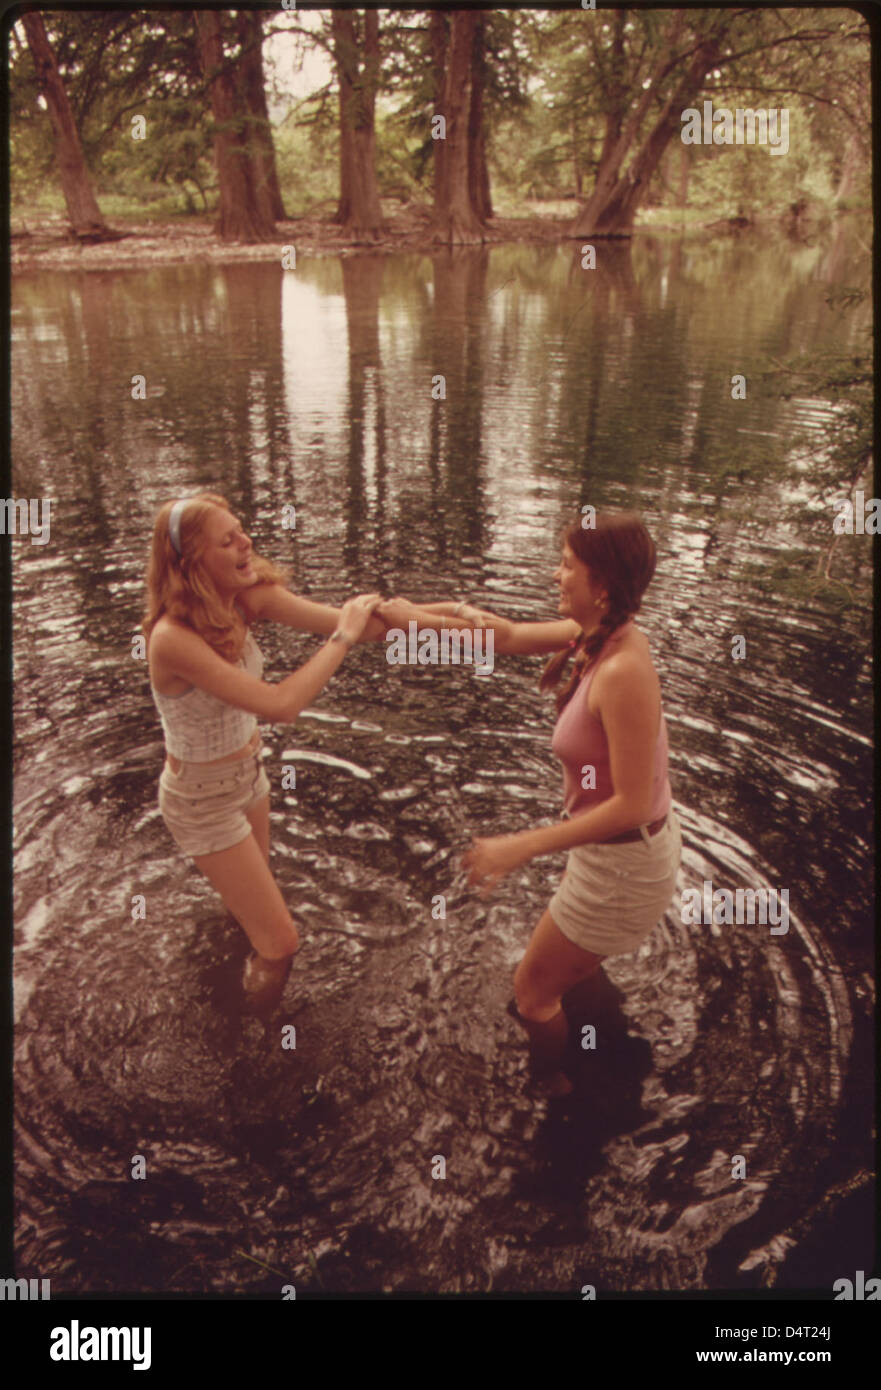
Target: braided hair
[620,554]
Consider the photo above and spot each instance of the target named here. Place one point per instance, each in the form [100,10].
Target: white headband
[174,519]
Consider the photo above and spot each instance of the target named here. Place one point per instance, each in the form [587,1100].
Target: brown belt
[629,835]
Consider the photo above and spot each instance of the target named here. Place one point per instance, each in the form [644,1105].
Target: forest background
[252,117]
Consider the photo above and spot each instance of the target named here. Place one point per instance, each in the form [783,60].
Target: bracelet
[340,636]
[457,611]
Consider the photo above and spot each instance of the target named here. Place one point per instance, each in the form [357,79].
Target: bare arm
[279,605]
[274,602]
[537,639]
[526,639]
[187,655]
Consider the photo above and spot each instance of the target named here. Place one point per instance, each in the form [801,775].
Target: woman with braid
[621,833]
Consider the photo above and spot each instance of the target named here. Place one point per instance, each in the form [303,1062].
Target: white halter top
[199,727]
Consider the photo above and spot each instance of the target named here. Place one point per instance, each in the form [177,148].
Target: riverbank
[42,241]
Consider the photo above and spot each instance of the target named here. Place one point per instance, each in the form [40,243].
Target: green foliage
[589,81]
[401,171]
[558,85]
[510,65]
[115,65]
[746,180]
[307,159]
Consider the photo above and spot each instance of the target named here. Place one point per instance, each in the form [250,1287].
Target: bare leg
[258,815]
[264,979]
[243,879]
[551,966]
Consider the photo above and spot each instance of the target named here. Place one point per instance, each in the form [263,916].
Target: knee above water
[287,947]
[531,1011]
[525,991]
[531,1008]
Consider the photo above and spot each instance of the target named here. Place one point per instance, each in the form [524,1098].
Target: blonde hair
[180,586]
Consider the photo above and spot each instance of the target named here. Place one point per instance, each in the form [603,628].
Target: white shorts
[612,896]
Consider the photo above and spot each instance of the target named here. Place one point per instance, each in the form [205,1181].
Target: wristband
[340,636]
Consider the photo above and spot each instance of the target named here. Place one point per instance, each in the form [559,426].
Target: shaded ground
[46,242]
[43,241]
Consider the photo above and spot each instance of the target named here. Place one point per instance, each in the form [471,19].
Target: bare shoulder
[167,640]
[168,634]
[630,661]
[635,643]
[250,601]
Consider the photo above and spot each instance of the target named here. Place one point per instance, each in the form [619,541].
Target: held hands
[399,610]
[476,616]
[355,615]
[489,860]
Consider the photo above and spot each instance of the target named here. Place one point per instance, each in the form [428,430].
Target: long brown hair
[180,586]
[620,554]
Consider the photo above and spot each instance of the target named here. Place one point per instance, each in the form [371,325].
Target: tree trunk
[620,133]
[358,86]
[617,92]
[478,172]
[439,43]
[343,213]
[577,171]
[456,220]
[612,207]
[847,183]
[684,172]
[86,221]
[254,95]
[241,218]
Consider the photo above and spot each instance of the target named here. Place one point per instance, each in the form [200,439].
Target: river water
[318,1165]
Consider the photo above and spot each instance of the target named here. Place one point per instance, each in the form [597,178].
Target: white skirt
[612,896]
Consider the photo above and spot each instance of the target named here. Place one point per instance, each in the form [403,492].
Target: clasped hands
[464,612]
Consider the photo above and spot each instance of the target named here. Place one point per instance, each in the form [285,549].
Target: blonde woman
[206,590]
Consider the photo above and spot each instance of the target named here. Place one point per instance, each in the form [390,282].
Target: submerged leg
[243,878]
[547,1046]
[551,966]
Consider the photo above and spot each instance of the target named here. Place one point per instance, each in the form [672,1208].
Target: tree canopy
[573,107]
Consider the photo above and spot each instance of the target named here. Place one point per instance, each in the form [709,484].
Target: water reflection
[314,389]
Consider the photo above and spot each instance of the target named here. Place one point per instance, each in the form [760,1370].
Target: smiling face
[226,556]
[581,596]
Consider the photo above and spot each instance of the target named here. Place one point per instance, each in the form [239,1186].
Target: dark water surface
[267,1166]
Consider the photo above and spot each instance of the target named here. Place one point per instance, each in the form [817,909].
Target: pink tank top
[580,741]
